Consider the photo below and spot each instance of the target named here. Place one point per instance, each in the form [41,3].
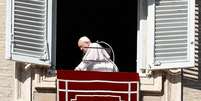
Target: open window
[29,31]
[111,21]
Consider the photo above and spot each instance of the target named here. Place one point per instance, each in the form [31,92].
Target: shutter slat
[171,45]
[184,11]
[26,53]
[167,29]
[28,25]
[178,10]
[39,45]
[171,20]
[29,48]
[29,38]
[172,59]
[171,31]
[33,1]
[170,26]
[170,41]
[170,37]
[170,7]
[28,29]
[172,0]
[169,58]
[168,54]
[171,49]
[30,8]
[29,18]
[29,14]
[175,24]
[29,34]
[171,15]
[171,3]
[37,23]
[35,11]
[29,3]
[26,40]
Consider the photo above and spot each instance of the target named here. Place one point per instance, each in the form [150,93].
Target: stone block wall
[6,66]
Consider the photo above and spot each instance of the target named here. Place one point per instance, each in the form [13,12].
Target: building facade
[21,81]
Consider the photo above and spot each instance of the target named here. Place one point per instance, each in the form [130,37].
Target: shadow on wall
[192,76]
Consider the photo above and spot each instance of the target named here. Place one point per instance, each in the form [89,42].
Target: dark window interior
[112,21]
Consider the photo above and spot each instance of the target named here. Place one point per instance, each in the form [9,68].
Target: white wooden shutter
[173,34]
[30,31]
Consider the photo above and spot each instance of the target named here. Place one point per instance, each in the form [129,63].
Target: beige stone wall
[171,89]
[6,66]
[44,97]
[34,83]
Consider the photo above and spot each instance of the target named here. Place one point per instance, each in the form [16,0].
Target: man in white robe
[96,58]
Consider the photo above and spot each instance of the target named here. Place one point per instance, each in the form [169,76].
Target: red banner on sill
[97,86]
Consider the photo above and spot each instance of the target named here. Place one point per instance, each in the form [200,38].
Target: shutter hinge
[12,41]
[12,38]
[157,63]
[148,71]
[45,57]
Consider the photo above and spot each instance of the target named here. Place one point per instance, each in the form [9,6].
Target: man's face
[84,46]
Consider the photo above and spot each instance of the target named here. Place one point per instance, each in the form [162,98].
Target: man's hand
[77,69]
[80,69]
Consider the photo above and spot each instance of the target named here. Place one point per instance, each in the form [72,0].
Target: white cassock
[97,59]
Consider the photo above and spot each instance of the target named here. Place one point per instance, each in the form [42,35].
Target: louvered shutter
[174,34]
[29,31]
